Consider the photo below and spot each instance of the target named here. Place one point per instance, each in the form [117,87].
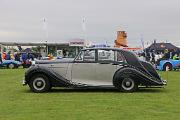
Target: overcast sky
[22,20]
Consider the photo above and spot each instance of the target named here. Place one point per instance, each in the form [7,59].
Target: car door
[83,68]
[60,68]
[105,67]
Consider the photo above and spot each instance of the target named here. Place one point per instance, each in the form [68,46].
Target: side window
[89,55]
[120,57]
[80,56]
[106,55]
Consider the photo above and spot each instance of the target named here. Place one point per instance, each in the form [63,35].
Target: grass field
[18,103]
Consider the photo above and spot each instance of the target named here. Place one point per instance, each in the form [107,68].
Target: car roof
[104,48]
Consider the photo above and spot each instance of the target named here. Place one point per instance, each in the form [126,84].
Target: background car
[168,64]
[10,64]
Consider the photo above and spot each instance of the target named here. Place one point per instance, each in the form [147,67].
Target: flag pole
[45,28]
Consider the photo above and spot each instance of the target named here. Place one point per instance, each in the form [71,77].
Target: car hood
[63,60]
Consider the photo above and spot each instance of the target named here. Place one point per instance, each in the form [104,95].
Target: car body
[169,64]
[10,64]
[93,67]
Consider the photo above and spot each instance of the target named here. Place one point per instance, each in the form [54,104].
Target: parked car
[93,67]
[169,64]
[10,64]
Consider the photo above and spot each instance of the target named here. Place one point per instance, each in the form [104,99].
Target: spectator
[24,57]
[8,56]
[12,56]
[64,52]
[166,55]
[3,56]
[148,57]
[176,57]
[0,58]
[153,57]
[31,56]
[17,57]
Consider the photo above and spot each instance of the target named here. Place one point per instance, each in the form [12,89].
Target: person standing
[17,57]
[176,57]
[0,58]
[153,57]
[4,56]
[8,56]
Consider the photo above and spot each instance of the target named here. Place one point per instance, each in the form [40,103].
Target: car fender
[54,78]
[167,61]
[139,76]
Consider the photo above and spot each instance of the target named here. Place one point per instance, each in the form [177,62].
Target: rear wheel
[39,83]
[167,66]
[126,84]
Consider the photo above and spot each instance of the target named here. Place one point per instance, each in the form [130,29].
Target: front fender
[54,78]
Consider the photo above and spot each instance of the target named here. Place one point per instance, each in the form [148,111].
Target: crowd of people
[16,56]
[23,57]
[154,57]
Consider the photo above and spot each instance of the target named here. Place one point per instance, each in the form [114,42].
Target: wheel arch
[126,72]
[54,79]
[168,62]
[35,73]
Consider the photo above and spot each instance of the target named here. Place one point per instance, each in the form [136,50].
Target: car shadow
[99,90]
[103,90]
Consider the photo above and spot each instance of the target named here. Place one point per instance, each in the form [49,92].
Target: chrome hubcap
[127,84]
[11,66]
[39,83]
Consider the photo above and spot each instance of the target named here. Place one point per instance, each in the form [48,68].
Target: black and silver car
[94,67]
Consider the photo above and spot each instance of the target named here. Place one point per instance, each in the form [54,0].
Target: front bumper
[24,82]
[164,82]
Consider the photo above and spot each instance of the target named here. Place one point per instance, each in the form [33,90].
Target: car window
[80,57]
[89,55]
[120,57]
[106,55]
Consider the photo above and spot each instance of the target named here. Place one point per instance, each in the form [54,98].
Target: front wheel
[126,85]
[39,83]
[11,66]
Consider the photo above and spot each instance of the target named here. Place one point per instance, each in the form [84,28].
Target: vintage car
[10,64]
[169,64]
[94,67]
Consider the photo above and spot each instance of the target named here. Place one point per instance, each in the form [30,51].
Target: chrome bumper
[24,82]
[164,82]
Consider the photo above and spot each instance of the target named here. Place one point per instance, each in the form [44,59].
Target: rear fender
[126,72]
[138,76]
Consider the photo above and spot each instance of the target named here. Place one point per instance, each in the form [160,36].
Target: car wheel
[11,66]
[39,83]
[126,84]
[169,65]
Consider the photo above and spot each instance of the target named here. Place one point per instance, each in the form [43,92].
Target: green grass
[18,103]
